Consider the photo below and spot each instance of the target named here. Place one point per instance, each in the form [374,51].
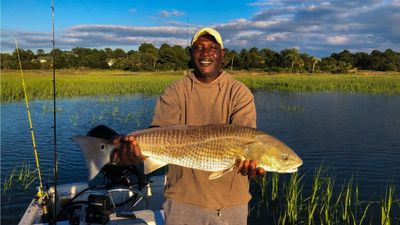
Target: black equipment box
[98,210]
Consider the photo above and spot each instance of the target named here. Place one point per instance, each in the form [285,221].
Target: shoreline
[76,83]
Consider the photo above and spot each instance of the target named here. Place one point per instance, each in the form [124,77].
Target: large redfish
[214,148]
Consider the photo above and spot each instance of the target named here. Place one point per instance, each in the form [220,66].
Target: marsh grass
[386,206]
[22,176]
[84,83]
[322,203]
[73,83]
[384,84]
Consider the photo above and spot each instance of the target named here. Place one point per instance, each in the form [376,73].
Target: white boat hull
[147,211]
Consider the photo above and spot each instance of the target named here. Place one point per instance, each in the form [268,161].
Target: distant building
[42,59]
[110,62]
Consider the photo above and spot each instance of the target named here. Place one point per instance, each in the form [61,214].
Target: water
[353,135]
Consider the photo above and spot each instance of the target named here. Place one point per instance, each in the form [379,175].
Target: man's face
[207,57]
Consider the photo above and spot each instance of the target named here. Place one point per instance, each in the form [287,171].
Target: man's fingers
[245,167]
[249,168]
[260,171]
[252,169]
[116,140]
[128,150]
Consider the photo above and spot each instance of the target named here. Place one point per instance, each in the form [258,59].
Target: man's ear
[222,53]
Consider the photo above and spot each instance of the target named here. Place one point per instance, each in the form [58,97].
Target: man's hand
[127,151]
[249,168]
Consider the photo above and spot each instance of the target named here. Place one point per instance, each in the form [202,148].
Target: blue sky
[316,27]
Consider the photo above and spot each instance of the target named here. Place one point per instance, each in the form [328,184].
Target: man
[206,96]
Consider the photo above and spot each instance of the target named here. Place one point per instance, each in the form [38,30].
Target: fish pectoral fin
[218,174]
[152,164]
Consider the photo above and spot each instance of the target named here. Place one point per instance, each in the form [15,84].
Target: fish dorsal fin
[152,129]
[218,174]
[151,164]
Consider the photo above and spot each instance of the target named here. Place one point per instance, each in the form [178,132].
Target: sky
[316,27]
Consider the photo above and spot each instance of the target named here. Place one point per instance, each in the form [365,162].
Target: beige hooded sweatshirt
[192,102]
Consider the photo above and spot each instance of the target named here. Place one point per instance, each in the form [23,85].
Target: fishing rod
[41,195]
[54,117]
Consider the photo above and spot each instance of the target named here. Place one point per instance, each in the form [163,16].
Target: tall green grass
[87,83]
[384,84]
[72,83]
[321,203]
[22,176]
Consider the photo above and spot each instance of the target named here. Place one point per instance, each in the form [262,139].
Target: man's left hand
[249,168]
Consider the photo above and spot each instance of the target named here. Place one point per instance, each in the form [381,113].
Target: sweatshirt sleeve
[167,110]
[244,108]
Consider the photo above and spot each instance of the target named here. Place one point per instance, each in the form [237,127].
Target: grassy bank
[71,83]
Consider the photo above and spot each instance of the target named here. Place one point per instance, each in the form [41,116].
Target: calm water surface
[352,135]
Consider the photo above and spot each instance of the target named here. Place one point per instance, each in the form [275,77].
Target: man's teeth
[204,62]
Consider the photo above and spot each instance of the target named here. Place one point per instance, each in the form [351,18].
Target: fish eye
[285,157]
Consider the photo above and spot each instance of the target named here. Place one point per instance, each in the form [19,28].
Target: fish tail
[96,152]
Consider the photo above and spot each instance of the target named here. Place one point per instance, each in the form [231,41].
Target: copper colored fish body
[213,148]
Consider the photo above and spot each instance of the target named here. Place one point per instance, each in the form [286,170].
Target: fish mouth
[292,170]
[282,170]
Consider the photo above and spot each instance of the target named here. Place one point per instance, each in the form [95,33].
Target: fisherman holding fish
[204,129]
[206,96]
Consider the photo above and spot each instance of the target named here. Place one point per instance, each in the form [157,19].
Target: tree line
[173,58]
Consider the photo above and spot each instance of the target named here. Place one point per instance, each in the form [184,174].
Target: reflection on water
[353,135]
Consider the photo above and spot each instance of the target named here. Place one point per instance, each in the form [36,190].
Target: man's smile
[205,62]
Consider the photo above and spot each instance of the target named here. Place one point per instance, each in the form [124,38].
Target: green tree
[181,57]
[231,59]
[8,62]
[271,58]
[255,58]
[362,61]
[328,64]
[346,56]
[377,60]
[119,53]
[291,58]
[244,59]
[109,53]
[27,59]
[392,60]
[149,55]
[40,52]
[60,59]
[167,57]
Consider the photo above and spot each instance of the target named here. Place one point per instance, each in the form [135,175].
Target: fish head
[273,155]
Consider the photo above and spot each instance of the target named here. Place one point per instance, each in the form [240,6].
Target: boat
[124,199]
[126,195]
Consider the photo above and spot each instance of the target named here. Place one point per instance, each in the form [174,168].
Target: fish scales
[208,148]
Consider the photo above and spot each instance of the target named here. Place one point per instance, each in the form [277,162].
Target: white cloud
[171,13]
[248,34]
[276,36]
[337,40]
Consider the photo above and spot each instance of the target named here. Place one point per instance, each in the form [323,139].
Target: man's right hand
[126,151]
